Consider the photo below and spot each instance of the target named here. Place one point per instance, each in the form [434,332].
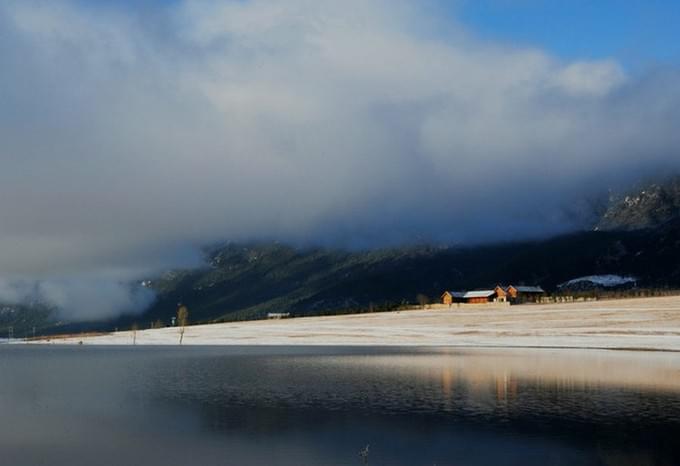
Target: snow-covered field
[646,323]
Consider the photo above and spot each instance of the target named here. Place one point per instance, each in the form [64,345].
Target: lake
[316,406]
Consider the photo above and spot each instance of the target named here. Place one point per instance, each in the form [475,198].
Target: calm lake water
[320,406]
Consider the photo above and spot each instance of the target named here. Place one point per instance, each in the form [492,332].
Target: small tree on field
[134,329]
[423,300]
[182,321]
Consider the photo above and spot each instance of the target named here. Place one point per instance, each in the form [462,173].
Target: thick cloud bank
[129,137]
[79,298]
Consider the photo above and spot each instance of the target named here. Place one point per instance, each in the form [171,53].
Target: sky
[637,33]
[135,133]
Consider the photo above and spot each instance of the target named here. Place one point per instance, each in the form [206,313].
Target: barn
[501,293]
[480,297]
[450,297]
[471,297]
[524,293]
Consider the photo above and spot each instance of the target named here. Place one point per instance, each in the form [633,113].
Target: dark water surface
[320,406]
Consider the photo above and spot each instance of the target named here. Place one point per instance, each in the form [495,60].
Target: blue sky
[638,33]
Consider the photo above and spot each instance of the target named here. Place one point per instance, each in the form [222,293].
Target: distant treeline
[619,293]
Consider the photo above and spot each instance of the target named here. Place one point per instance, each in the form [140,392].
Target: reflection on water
[320,406]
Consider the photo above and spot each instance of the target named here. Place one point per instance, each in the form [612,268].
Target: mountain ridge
[276,278]
[248,280]
[648,206]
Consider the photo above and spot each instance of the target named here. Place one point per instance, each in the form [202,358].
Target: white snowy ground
[641,324]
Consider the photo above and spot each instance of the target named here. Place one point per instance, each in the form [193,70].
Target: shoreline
[636,324]
[82,342]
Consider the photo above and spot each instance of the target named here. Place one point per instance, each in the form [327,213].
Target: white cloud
[590,78]
[128,140]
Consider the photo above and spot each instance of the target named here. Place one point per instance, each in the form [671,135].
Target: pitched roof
[456,294]
[479,294]
[529,289]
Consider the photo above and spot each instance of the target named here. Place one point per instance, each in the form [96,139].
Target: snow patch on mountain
[606,281]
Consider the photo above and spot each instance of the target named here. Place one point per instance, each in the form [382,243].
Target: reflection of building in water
[447,380]
[502,387]
[506,387]
[487,387]
[477,385]
[490,381]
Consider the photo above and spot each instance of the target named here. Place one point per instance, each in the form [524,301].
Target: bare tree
[423,300]
[182,321]
[134,329]
[157,324]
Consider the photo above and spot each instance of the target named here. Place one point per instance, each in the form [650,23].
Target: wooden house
[450,297]
[480,297]
[472,297]
[501,293]
[524,293]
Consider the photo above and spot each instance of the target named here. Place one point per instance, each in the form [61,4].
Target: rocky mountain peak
[647,207]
